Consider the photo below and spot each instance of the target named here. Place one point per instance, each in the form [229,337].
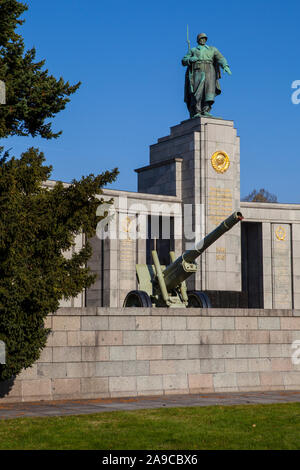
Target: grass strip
[216,427]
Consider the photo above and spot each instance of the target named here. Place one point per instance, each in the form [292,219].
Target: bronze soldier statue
[202,77]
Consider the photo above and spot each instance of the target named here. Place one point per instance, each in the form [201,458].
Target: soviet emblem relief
[280,233]
[220,161]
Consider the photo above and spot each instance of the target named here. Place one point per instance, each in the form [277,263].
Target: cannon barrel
[184,266]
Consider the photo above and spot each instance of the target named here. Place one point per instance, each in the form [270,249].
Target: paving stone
[74,407]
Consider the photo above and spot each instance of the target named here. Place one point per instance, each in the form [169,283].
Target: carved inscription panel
[220,204]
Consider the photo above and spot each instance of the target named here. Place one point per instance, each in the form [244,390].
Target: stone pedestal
[200,163]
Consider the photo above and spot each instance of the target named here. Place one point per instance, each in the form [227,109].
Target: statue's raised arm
[202,77]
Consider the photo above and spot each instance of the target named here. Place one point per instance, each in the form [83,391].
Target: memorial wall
[193,181]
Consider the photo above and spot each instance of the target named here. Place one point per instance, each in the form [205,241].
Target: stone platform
[97,353]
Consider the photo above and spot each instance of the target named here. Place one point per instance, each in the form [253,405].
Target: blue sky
[128,57]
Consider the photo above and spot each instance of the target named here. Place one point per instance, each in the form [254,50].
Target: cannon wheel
[198,299]
[137,298]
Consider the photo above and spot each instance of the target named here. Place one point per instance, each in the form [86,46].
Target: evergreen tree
[32,95]
[38,224]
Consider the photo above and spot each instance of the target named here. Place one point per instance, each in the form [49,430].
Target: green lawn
[216,427]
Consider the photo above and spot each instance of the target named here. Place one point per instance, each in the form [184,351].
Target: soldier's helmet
[201,35]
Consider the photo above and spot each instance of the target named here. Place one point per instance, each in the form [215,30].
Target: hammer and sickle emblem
[280,233]
[220,161]
[126,226]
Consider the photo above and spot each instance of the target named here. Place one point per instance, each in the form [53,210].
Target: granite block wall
[101,352]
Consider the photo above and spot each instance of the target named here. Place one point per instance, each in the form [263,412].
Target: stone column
[267,265]
[296,264]
[127,257]
[210,187]
[282,266]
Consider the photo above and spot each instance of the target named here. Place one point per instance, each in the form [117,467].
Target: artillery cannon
[162,286]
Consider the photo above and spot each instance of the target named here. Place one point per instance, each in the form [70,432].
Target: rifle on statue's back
[187,36]
[190,67]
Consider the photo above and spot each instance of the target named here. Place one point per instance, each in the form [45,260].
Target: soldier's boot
[197,111]
[206,110]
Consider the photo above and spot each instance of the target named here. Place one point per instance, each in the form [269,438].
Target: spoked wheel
[198,299]
[137,298]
